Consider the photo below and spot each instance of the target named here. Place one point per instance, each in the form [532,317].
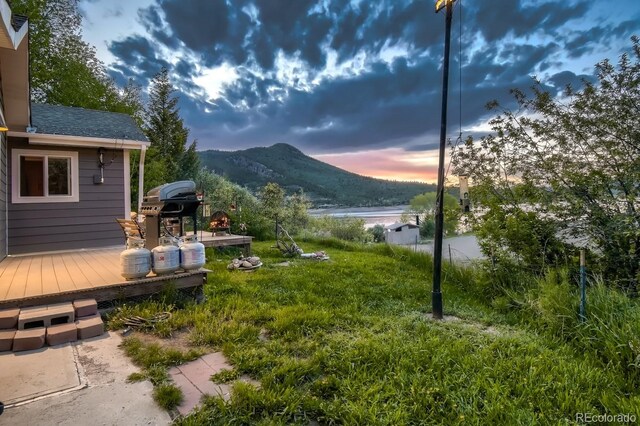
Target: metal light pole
[436,294]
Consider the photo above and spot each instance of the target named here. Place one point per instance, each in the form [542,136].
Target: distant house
[402,233]
[64,172]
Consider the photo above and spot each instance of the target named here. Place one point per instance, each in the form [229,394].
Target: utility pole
[436,294]
[583,285]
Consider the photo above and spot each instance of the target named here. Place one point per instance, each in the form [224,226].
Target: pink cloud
[390,163]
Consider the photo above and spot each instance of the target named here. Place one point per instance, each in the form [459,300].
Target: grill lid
[182,188]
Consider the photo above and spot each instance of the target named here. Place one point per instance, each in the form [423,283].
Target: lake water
[371,215]
[460,249]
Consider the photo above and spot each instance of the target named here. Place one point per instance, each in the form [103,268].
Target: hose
[144,323]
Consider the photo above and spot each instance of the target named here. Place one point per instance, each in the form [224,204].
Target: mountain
[322,182]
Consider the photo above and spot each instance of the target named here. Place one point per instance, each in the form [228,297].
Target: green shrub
[427,228]
[377,233]
[347,229]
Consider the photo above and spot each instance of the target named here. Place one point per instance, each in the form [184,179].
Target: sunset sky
[353,83]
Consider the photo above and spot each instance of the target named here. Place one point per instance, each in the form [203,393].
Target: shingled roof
[17,21]
[72,121]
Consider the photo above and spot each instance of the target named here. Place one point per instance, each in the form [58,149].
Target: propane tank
[165,257]
[135,261]
[192,253]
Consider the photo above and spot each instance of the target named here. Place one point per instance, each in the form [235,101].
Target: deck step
[62,333]
[26,340]
[90,327]
[6,339]
[46,316]
[85,307]
[9,318]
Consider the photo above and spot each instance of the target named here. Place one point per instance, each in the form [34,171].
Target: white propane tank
[192,254]
[135,261]
[165,257]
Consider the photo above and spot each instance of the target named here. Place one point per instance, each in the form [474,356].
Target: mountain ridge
[293,170]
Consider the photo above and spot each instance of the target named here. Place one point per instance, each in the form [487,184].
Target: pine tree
[168,136]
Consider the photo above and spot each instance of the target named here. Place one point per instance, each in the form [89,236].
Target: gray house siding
[3,195]
[89,223]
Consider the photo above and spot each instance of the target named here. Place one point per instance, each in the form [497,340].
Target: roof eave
[79,141]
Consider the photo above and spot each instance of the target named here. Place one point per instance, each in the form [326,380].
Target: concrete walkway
[83,383]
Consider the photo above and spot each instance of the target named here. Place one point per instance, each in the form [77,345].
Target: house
[64,171]
[402,233]
[64,179]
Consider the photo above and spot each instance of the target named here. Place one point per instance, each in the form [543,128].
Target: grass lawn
[350,341]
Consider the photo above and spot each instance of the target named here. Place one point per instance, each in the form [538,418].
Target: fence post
[450,259]
[583,285]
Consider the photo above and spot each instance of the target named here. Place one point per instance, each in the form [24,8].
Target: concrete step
[63,333]
[26,340]
[6,339]
[46,316]
[85,307]
[90,327]
[9,318]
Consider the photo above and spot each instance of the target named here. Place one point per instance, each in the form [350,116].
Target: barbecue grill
[166,206]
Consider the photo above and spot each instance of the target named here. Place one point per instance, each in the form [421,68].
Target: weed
[225,376]
[167,396]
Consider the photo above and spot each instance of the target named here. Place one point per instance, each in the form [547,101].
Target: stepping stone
[63,333]
[6,339]
[26,340]
[90,327]
[216,361]
[194,379]
[9,318]
[46,316]
[85,307]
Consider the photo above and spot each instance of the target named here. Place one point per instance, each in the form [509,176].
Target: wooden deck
[64,276]
[240,241]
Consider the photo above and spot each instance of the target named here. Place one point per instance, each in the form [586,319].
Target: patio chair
[131,228]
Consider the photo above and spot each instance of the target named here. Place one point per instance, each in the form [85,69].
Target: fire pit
[219,223]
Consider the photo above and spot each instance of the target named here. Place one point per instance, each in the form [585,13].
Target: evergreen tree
[169,159]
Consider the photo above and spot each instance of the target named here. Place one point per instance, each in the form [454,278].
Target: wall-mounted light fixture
[98,179]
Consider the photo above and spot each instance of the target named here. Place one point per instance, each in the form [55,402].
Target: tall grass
[549,305]
[350,341]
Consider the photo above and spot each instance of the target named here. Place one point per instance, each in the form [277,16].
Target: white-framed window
[44,176]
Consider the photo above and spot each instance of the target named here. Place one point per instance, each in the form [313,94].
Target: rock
[246,264]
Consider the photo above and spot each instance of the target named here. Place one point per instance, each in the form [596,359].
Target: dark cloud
[138,59]
[422,147]
[381,102]
[158,30]
[201,25]
[495,19]
[389,105]
[587,41]
[566,78]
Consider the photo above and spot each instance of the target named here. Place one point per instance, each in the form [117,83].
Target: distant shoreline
[385,215]
[359,210]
